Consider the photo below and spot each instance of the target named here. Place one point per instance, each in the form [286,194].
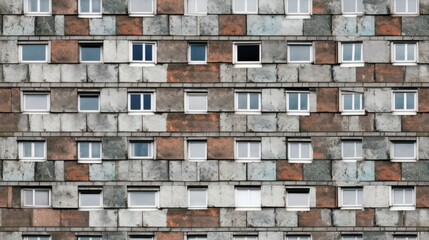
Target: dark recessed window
[90,52]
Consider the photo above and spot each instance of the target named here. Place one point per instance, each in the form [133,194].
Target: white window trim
[186,100]
[91,43]
[142,14]
[302,44]
[86,95]
[135,237]
[189,197]
[91,207]
[355,236]
[90,159]
[352,63]
[245,237]
[247,110]
[131,148]
[298,208]
[247,159]
[32,158]
[143,207]
[299,15]
[47,52]
[246,11]
[395,12]
[402,207]
[341,199]
[39,237]
[309,237]
[190,61]
[404,111]
[247,208]
[142,112]
[32,111]
[34,199]
[407,236]
[196,237]
[188,152]
[187,12]
[95,237]
[298,112]
[351,14]
[405,62]
[90,14]
[38,13]
[351,112]
[299,160]
[403,159]
[240,64]
[354,158]
[143,63]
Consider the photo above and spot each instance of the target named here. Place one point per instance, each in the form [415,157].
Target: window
[142,238]
[90,199]
[32,150]
[247,198]
[404,102]
[141,149]
[245,6]
[90,8]
[197,150]
[143,198]
[298,103]
[352,103]
[351,237]
[36,237]
[406,7]
[35,102]
[352,7]
[296,237]
[89,102]
[405,237]
[89,152]
[91,52]
[196,7]
[245,238]
[351,149]
[300,151]
[196,102]
[402,198]
[298,8]
[298,199]
[90,238]
[351,54]
[142,7]
[404,53]
[247,54]
[404,150]
[143,52]
[199,237]
[33,52]
[36,197]
[248,102]
[197,53]
[37,7]
[141,102]
[248,150]
[300,52]
[197,198]
[351,198]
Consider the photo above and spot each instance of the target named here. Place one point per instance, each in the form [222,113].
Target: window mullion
[90,150]
[299,101]
[141,102]
[33,197]
[353,52]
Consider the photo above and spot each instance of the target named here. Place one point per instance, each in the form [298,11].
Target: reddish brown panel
[4,197]
[422,196]
[220,148]
[220,52]
[169,148]
[314,218]
[46,218]
[14,200]
[417,123]
[74,218]
[12,122]
[326,197]
[64,51]
[321,122]
[17,217]
[180,122]
[61,148]
[170,6]
[326,52]
[193,218]
[64,7]
[74,171]
[366,73]
[286,171]
[327,99]
[387,26]
[16,99]
[76,26]
[193,73]
[169,236]
[365,218]
[389,73]
[5,100]
[423,99]
[232,25]
[387,171]
[63,236]
[321,7]
[129,25]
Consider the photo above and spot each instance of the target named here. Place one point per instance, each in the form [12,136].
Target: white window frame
[356,192]
[247,110]
[289,45]
[100,206]
[47,52]
[196,237]
[352,63]
[407,12]
[405,62]
[355,13]
[90,14]
[38,12]
[404,207]
[41,111]
[250,237]
[244,64]
[190,61]
[246,11]
[89,159]
[355,143]
[144,207]
[405,237]
[90,43]
[351,237]
[299,159]
[403,159]
[404,111]
[299,111]
[194,13]
[187,102]
[131,148]
[305,207]
[39,237]
[34,190]
[90,237]
[205,189]
[144,237]
[188,150]
[143,62]
[360,111]
[299,14]
[248,159]
[300,237]
[89,94]
[244,207]
[137,14]
[142,111]
[32,158]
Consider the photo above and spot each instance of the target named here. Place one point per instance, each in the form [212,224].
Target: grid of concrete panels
[169,127]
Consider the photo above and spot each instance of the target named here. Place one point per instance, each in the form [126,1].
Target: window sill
[247,160]
[300,209]
[356,64]
[196,112]
[352,14]
[196,14]
[352,113]
[247,65]
[300,160]
[402,208]
[404,63]
[248,209]
[350,160]
[38,14]
[351,208]
[405,14]
[303,16]
[141,113]
[90,209]
[33,62]
[90,161]
[404,113]
[90,15]
[403,160]
[197,63]
[30,112]
[142,209]
[45,207]
[141,14]
[197,160]
[298,113]
[140,158]
[135,64]
[98,111]
[32,160]
[248,113]
[197,208]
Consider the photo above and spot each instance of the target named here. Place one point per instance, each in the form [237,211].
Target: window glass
[404,101]
[299,53]
[141,6]
[33,52]
[198,52]
[197,150]
[298,198]
[143,52]
[404,149]
[90,198]
[140,102]
[298,102]
[248,101]
[352,149]
[248,150]
[196,102]
[248,53]
[90,52]
[36,102]
[197,197]
[89,103]
[352,197]
[142,149]
[248,198]
[298,151]
[143,198]
[298,237]
[32,150]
